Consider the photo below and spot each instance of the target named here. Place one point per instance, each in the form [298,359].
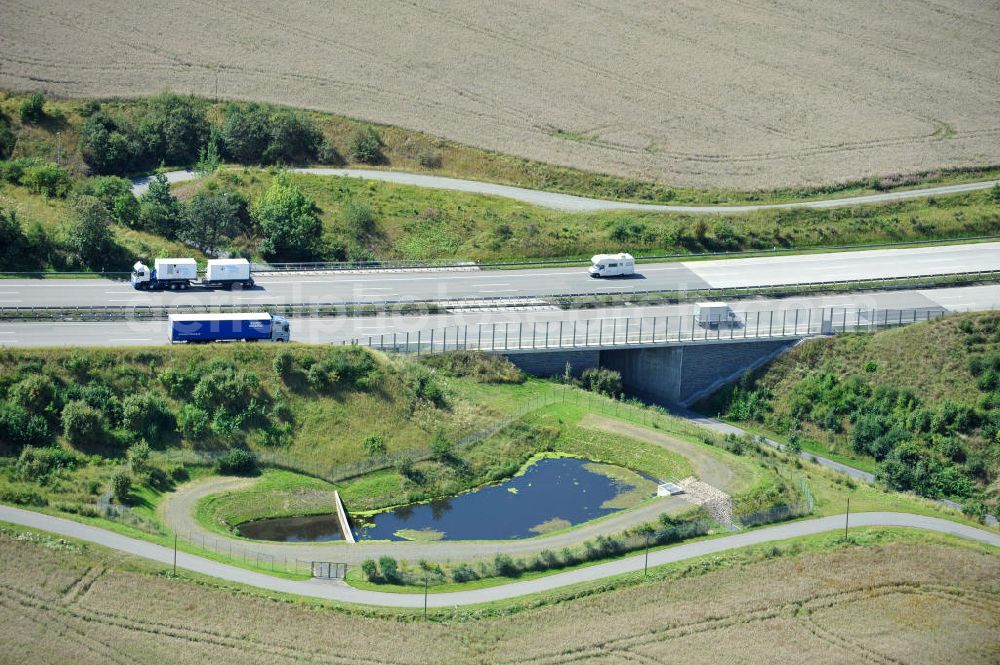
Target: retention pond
[551,494]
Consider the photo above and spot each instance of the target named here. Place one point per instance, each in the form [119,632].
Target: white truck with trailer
[715,315]
[179,274]
[612,265]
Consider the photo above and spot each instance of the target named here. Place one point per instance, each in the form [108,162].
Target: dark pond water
[311,529]
[550,494]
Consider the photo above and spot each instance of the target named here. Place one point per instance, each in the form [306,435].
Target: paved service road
[338,591]
[571,203]
[338,329]
[445,285]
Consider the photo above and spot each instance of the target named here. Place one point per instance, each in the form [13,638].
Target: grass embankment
[917,405]
[410,222]
[70,419]
[727,599]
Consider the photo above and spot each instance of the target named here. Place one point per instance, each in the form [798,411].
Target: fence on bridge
[645,330]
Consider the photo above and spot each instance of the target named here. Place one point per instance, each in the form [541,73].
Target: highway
[338,591]
[571,203]
[332,330]
[443,285]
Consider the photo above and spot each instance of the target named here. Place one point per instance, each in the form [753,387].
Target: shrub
[360,219]
[82,424]
[504,566]
[283,363]
[370,570]
[375,445]
[440,446]
[19,427]
[90,237]
[194,423]
[245,133]
[464,573]
[294,139]
[108,145]
[32,109]
[36,393]
[159,210]
[146,415]
[237,462]
[173,128]
[39,464]
[121,485]
[7,138]
[366,145]
[290,228]
[390,569]
[483,367]
[138,457]
[429,158]
[116,195]
[601,380]
[48,179]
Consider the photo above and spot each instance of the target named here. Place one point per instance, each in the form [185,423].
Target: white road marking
[499,290]
[490,284]
[11,301]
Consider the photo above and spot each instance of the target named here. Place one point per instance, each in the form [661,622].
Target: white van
[611,265]
[715,315]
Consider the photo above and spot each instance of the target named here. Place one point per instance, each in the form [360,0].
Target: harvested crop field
[917,600]
[747,95]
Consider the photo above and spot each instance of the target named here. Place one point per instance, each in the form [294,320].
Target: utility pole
[847,517]
[645,566]
[175,555]
[425,594]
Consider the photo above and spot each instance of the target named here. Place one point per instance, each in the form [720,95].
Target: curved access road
[340,592]
[572,203]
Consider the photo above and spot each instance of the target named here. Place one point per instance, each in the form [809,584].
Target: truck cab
[611,265]
[140,275]
[279,329]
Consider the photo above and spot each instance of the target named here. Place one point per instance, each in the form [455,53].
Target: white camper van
[611,265]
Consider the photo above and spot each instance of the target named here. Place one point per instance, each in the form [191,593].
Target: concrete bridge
[672,360]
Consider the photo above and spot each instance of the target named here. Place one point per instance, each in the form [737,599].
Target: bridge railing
[622,332]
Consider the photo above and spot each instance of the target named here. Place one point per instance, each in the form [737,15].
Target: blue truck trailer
[201,328]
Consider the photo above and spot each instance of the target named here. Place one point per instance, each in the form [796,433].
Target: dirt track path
[339,591]
[571,203]
[708,467]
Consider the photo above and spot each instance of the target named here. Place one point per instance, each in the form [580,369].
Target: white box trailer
[714,315]
[611,265]
[225,273]
[166,274]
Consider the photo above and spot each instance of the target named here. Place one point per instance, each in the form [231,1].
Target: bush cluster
[483,367]
[943,448]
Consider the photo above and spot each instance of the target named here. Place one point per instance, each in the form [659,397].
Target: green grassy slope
[415,223]
[77,413]
[920,405]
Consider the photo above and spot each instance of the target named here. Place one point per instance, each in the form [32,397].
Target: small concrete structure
[345,526]
[668,489]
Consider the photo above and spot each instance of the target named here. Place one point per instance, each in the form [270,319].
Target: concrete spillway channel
[345,526]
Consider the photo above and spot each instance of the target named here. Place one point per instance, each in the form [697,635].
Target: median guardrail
[566,301]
